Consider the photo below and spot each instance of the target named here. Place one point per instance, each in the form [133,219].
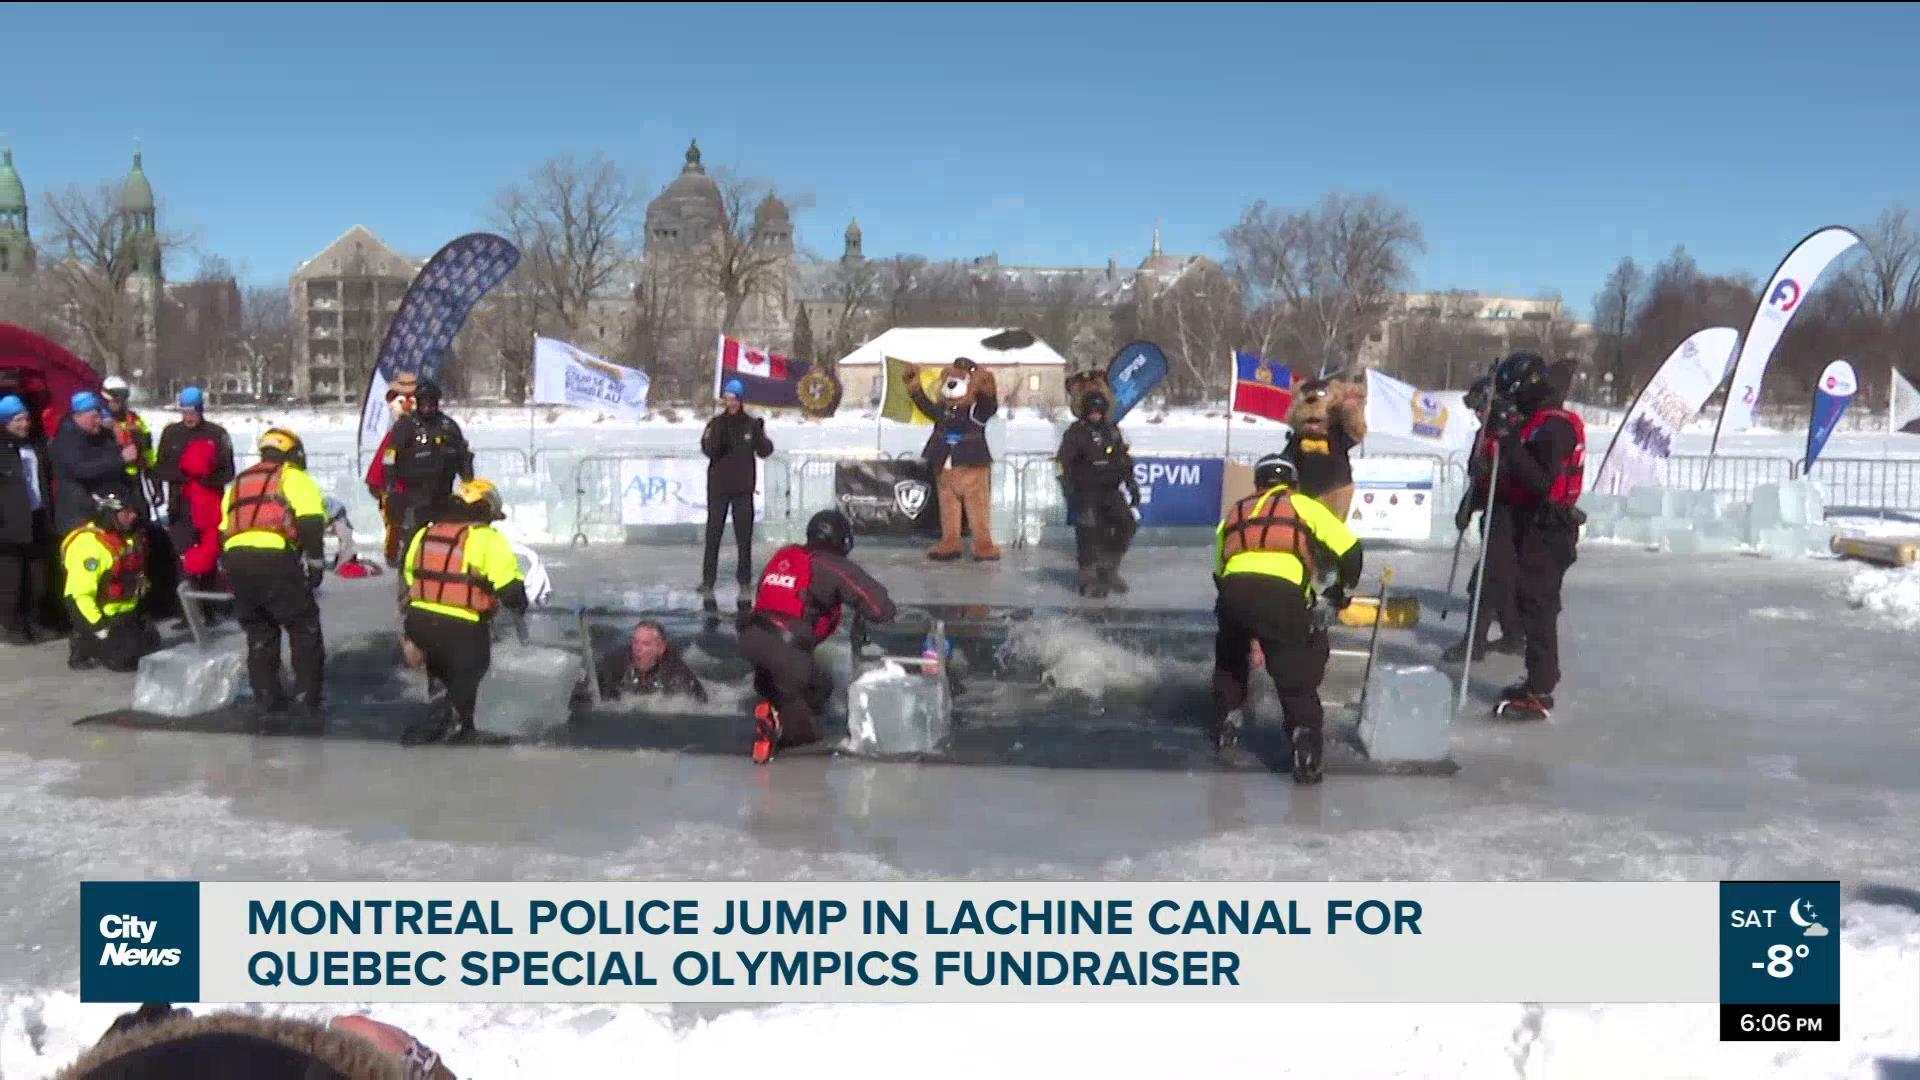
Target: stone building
[16,240]
[343,298]
[686,232]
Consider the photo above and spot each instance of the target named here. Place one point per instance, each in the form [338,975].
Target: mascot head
[1319,407]
[963,381]
[1081,384]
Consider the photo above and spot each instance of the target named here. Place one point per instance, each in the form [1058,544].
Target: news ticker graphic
[1752,946]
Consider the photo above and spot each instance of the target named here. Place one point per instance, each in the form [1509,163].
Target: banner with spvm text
[1767,951]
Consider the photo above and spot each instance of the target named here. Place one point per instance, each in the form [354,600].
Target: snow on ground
[1893,594]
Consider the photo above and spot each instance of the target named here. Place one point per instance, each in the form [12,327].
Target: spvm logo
[910,496]
[1785,295]
[139,941]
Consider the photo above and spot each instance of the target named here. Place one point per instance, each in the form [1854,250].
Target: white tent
[1035,375]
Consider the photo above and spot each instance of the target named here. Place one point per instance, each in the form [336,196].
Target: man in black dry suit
[1094,464]
[732,440]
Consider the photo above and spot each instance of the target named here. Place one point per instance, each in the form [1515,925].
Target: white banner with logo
[1790,284]
[667,491]
[375,415]
[1673,397]
[1402,410]
[1392,498]
[565,375]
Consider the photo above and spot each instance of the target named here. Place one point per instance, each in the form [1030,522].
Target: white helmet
[116,387]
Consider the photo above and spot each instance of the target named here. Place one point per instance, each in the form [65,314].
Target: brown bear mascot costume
[1328,421]
[958,455]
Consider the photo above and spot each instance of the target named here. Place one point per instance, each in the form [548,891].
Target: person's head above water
[648,646]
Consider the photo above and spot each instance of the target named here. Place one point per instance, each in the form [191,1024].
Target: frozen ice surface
[189,679]
[1680,751]
[1790,505]
[1407,713]
[891,710]
[527,687]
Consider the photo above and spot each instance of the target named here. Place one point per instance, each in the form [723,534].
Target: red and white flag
[742,359]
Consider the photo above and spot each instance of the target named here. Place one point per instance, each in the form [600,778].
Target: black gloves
[1337,598]
[316,572]
[1503,418]
[1463,517]
[1133,494]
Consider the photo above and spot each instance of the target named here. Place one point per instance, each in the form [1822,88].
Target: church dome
[13,193]
[138,193]
[692,196]
[771,211]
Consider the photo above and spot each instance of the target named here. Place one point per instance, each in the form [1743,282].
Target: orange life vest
[1274,528]
[439,576]
[259,505]
[126,579]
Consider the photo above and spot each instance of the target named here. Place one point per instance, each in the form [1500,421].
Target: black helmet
[1522,379]
[428,394]
[1480,393]
[1274,470]
[106,509]
[829,530]
[1095,402]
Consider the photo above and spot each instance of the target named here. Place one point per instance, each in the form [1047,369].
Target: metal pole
[1373,647]
[1454,570]
[1480,589]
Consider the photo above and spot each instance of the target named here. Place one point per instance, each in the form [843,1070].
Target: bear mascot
[1082,383]
[958,455]
[1328,421]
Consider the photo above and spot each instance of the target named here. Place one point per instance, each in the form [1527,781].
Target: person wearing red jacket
[195,461]
[399,403]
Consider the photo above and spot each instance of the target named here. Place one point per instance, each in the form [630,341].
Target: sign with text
[1392,498]
[977,941]
[888,497]
[668,491]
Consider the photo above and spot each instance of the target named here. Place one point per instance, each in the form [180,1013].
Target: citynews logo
[129,940]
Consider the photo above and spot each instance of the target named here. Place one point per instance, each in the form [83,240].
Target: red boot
[766,732]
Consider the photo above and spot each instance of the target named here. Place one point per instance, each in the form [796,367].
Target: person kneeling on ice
[105,559]
[271,543]
[796,608]
[1270,548]
[460,571]
[647,664]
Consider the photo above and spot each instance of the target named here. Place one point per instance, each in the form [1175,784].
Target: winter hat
[734,389]
[10,407]
[193,398]
[234,1045]
[85,401]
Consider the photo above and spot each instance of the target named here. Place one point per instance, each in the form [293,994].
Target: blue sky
[1535,145]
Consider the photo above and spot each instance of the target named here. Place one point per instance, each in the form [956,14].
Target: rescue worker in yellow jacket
[459,571]
[272,525]
[105,560]
[1269,549]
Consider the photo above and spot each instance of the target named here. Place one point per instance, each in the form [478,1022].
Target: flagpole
[1233,369]
[530,395]
[879,407]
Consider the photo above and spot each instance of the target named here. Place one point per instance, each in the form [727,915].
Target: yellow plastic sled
[1364,611]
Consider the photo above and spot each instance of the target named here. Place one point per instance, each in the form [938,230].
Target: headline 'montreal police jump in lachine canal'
[661,916]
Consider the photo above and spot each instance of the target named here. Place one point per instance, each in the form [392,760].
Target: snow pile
[1891,594]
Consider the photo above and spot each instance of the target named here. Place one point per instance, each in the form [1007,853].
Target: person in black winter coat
[647,664]
[426,453]
[732,440]
[87,460]
[1094,464]
[26,538]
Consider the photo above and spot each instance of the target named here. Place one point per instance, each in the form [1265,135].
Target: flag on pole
[772,381]
[1903,406]
[1261,387]
[895,403]
[1830,397]
[566,375]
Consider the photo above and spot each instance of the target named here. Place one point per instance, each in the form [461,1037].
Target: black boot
[438,725]
[1110,573]
[1510,645]
[270,717]
[1090,583]
[1458,652]
[1308,768]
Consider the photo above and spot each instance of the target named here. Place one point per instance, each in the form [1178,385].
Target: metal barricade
[1731,475]
[1868,483]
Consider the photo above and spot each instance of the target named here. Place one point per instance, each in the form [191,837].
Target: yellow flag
[896,404]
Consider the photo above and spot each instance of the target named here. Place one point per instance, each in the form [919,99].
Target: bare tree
[265,341]
[95,251]
[852,285]
[732,263]
[1332,271]
[1613,314]
[1888,276]
[575,225]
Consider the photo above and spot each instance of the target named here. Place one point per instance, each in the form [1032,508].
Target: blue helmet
[734,388]
[193,398]
[10,407]
[85,401]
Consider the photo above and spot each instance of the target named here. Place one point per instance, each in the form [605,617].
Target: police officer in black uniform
[426,454]
[1093,465]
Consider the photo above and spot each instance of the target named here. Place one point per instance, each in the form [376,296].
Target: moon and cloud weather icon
[1807,922]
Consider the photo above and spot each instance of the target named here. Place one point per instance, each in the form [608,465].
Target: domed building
[16,241]
[684,231]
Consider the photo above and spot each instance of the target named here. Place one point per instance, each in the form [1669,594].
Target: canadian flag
[744,359]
